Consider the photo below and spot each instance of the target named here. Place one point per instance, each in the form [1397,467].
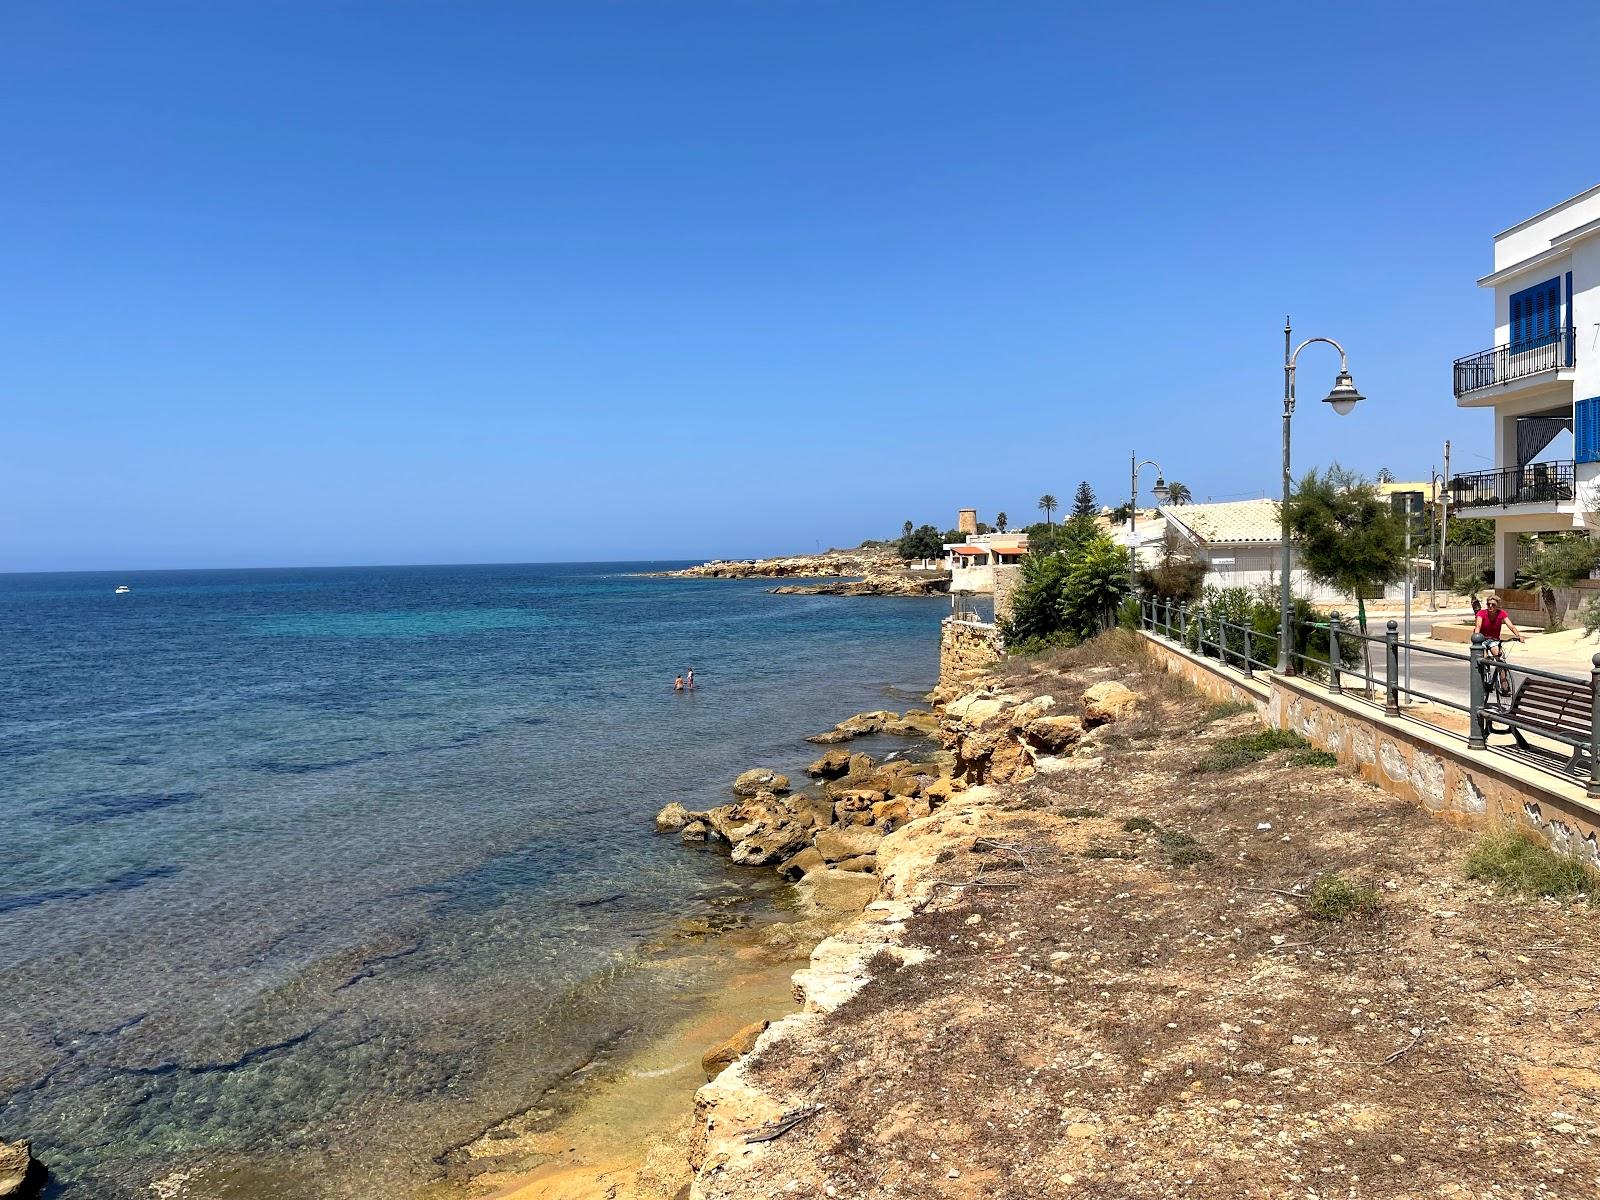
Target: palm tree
[1047,505]
[1000,522]
[906,529]
[1179,493]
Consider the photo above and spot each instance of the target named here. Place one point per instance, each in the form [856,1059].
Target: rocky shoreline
[865,571]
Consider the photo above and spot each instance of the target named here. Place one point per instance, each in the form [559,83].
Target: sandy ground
[1125,995]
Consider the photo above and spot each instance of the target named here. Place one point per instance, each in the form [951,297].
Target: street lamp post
[1159,492]
[1343,398]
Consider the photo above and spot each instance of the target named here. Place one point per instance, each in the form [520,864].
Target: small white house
[972,561]
[1240,543]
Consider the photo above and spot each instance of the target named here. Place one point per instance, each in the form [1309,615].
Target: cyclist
[1497,629]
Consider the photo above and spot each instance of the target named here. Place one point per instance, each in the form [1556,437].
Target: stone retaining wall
[1404,757]
[966,647]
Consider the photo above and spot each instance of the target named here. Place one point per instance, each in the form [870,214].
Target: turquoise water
[332,869]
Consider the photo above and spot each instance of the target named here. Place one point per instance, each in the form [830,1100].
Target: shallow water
[321,872]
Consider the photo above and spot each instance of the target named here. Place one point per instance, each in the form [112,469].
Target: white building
[1541,379]
[972,561]
[1240,543]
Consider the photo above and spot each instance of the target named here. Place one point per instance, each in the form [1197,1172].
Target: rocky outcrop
[860,803]
[916,722]
[876,582]
[999,736]
[860,561]
[21,1175]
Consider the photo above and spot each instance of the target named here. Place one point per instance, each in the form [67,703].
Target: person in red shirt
[1494,622]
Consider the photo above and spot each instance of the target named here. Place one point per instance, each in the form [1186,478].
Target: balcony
[1518,360]
[1548,483]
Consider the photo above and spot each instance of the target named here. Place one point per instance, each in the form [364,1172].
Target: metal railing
[1515,360]
[1341,656]
[1536,483]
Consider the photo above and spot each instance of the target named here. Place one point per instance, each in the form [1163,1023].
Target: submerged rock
[731,1049]
[695,831]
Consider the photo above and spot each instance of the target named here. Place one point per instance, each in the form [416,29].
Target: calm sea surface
[325,871]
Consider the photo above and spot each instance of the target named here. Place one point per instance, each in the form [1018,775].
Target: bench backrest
[1555,705]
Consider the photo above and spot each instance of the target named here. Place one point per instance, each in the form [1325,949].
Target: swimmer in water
[677,684]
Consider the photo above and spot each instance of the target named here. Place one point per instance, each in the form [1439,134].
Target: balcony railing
[1536,483]
[1517,360]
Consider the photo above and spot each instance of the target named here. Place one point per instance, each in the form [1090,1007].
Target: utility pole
[1444,509]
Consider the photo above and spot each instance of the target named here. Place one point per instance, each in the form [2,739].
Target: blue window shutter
[1536,315]
[1586,430]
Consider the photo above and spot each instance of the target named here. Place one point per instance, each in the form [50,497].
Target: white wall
[1256,567]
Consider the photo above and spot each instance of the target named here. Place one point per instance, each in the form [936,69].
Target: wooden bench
[1563,711]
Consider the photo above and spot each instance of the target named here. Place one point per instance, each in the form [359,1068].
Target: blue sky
[294,283]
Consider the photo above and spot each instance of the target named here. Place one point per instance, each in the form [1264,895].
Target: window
[1586,430]
[1536,315]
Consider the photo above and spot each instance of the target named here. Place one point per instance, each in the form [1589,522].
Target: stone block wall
[966,647]
[1006,579]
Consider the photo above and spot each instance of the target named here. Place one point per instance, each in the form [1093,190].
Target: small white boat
[122,587]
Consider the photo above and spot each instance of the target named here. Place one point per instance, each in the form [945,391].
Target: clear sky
[341,282]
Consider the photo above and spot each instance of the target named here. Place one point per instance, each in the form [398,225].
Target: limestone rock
[861,765]
[860,863]
[20,1175]
[1010,762]
[808,860]
[673,818]
[889,815]
[1107,701]
[831,765]
[916,722]
[760,779]
[1030,710]
[695,831]
[730,1049]
[770,844]
[814,811]
[1054,733]
[940,790]
[842,842]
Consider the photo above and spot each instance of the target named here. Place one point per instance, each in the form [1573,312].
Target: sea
[309,875]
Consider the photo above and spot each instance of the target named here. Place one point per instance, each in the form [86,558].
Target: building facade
[1540,380]
[1241,545]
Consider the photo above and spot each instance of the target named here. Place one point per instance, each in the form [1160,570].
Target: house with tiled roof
[1240,543]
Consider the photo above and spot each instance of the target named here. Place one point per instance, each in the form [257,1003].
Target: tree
[1557,564]
[1047,505]
[1000,522]
[1122,512]
[1176,576]
[905,530]
[1385,475]
[1347,536]
[1178,493]
[1083,502]
[1067,595]
[923,542]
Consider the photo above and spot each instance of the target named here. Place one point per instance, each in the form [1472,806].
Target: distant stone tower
[967,520]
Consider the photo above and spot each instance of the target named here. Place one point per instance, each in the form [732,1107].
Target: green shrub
[1228,708]
[1313,758]
[1248,748]
[1181,849]
[1334,898]
[1589,614]
[1517,862]
[1138,825]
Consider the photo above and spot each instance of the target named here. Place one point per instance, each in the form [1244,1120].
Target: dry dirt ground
[1128,1013]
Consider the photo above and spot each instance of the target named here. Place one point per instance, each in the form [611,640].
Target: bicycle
[1497,690]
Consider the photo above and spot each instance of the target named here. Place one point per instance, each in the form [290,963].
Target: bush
[1069,594]
[1138,825]
[1589,615]
[1518,862]
[1334,898]
[1248,748]
[1313,758]
[923,542]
